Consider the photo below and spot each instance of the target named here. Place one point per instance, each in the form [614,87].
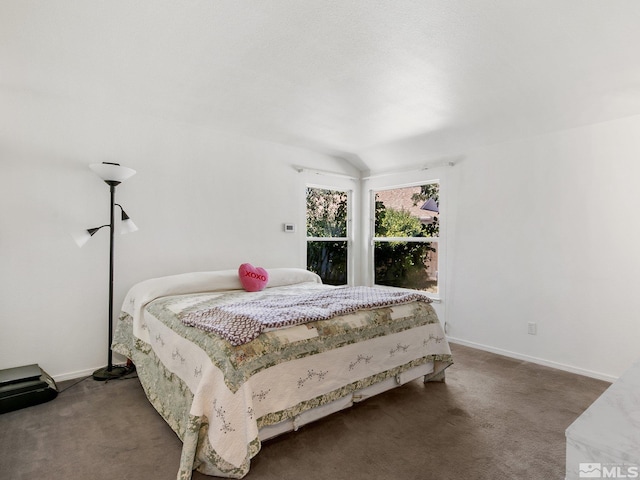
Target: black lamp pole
[112,189]
[111,371]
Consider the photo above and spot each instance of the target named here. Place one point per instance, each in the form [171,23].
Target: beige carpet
[494,418]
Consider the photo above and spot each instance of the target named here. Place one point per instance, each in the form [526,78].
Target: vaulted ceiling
[366,80]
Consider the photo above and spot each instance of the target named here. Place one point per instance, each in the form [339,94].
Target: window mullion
[327,239]
[407,239]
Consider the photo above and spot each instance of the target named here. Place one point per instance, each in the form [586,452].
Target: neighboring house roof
[400,198]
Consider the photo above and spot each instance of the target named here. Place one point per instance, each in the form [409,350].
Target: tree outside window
[406,237]
[327,236]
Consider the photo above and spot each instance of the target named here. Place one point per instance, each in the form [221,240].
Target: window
[405,241]
[327,234]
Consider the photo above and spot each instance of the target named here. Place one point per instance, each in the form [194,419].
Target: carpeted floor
[494,418]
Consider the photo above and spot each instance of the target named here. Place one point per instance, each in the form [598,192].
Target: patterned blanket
[240,323]
[217,396]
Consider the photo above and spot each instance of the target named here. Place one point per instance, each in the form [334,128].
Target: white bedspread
[231,407]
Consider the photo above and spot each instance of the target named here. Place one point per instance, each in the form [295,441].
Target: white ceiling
[367,80]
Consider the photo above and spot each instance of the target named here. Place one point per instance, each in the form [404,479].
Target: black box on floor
[22,387]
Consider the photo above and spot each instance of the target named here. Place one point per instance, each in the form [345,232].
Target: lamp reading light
[126,224]
[83,237]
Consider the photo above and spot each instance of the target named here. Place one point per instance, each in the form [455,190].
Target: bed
[224,396]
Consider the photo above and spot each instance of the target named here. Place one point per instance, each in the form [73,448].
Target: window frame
[349,239]
[373,239]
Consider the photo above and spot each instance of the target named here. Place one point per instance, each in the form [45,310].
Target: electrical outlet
[532,328]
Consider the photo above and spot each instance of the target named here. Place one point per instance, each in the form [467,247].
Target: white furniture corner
[604,442]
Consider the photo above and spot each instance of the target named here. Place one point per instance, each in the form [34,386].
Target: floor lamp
[113,174]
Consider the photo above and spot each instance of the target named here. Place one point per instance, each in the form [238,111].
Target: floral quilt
[216,396]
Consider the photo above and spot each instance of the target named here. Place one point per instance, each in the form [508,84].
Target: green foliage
[329,260]
[327,217]
[326,213]
[430,190]
[399,223]
[398,263]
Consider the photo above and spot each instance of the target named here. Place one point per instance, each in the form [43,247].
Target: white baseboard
[117,360]
[74,375]
[79,374]
[539,361]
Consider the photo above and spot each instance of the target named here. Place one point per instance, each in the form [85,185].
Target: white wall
[545,230]
[202,200]
[538,230]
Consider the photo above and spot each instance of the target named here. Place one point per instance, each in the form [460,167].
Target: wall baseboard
[539,361]
[73,375]
[117,360]
[79,374]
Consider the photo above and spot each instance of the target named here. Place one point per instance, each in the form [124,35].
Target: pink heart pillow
[253,279]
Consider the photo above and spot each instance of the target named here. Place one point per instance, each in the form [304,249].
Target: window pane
[408,212]
[329,260]
[407,265]
[327,217]
[326,213]
[411,213]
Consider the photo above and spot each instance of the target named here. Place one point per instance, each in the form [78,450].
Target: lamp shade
[81,237]
[127,226]
[112,172]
